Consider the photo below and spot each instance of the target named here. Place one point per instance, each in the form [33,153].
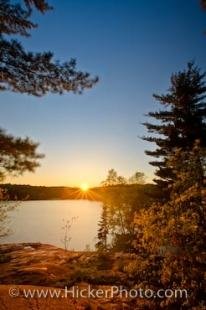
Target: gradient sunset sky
[133,46]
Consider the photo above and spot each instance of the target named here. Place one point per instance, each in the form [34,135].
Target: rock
[30,248]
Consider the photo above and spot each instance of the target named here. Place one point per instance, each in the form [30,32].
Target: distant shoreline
[31,192]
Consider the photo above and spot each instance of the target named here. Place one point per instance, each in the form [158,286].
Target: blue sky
[133,46]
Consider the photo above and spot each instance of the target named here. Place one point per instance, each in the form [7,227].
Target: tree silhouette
[17,155]
[137,178]
[181,122]
[30,73]
[103,230]
[112,178]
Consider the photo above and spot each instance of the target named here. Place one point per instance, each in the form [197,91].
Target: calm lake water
[42,221]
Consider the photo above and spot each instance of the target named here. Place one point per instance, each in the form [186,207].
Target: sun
[84,187]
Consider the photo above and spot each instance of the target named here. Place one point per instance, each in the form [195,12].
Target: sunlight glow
[84,187]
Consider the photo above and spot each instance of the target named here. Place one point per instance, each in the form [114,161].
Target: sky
[134,47]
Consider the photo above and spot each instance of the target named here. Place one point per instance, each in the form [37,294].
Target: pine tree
[180,123]
[174,232]
[28,72]
[103,230]
[17,155]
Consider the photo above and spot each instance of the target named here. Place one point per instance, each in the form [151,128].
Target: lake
[43,221]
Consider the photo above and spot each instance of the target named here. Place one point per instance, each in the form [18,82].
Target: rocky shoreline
[38,265]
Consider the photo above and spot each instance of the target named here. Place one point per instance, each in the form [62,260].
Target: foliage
[137,178]
[23,192]
[103,230]
[114,179]
[181,122]
[176,229]
[6,207]
[103,261]
[17,155]
[28,72]
[116,227]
